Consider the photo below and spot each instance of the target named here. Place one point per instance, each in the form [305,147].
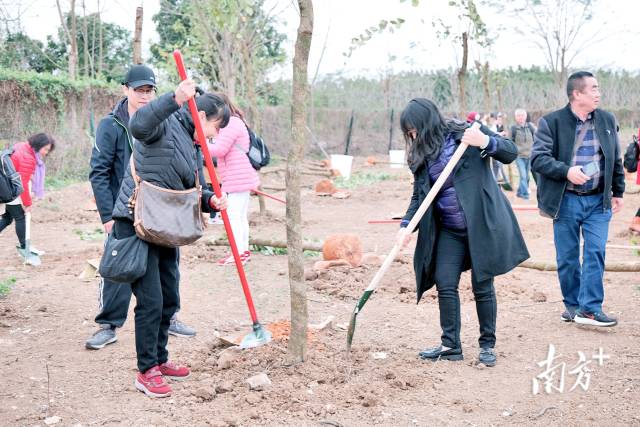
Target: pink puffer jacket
[235,170]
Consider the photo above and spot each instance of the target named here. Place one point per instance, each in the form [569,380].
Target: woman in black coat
[164,154]
[470,224]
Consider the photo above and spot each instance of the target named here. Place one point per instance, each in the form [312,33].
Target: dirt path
[45,370]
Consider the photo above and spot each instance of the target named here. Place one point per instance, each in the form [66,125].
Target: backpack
[631,156]
[10,182]
[258,153]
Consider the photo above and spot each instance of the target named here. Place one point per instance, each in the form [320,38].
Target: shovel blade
[352,323]
[351,330]
[259,336]
[33,260]
[29,257]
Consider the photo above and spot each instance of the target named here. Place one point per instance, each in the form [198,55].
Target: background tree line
[237,44]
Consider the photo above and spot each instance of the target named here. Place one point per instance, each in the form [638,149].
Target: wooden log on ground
[314,163]
[274,188]
[625,267]
[316,173]
[612,246]
[621,267]
[282,188]
[308,171]
[307,246]
[273,169]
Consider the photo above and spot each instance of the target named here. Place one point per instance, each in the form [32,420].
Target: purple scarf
[37,181]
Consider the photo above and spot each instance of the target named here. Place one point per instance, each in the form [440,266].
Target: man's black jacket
[110,157]
[552,155]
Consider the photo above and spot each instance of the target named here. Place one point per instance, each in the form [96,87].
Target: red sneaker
[152,383]
[173,371]
[228,260]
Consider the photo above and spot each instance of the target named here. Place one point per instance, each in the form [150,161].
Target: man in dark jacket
[109,159]
[581,181]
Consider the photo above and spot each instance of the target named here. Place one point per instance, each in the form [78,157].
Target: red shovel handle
[202,141]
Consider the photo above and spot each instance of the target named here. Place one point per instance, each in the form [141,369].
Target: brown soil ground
[45,370]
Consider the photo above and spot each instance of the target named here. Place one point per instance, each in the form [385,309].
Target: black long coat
[496,244]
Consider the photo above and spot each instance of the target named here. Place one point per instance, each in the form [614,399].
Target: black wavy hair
[214,108]
[423,116]
[39,140]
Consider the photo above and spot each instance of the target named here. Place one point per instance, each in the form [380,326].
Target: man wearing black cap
[109,160]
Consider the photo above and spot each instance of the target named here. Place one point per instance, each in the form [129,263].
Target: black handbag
[124,260]
[631,156]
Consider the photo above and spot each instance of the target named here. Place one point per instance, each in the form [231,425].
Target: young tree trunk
[254,114]
[315,77]
[250,77]
[485,87]
[99,41]
[85,40]
[299,97]
[92,57]
[462,73]
[73,55]
[137,38]
[71,37]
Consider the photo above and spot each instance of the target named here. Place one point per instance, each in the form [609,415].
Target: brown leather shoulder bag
[166,217]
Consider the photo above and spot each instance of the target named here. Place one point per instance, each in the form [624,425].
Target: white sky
[415,45]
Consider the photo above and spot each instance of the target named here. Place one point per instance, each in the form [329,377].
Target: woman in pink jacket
[238,177]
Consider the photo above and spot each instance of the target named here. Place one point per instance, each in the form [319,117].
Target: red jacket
[638,172]
[24,160]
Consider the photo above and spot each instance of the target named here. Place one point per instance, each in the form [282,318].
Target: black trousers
[452,253]
[114,301]
[157,299]
[14,212]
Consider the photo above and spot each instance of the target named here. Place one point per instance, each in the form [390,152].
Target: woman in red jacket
[28,159]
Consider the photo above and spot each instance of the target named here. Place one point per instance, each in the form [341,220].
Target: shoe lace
[101,331]
[155,377]
[171,365]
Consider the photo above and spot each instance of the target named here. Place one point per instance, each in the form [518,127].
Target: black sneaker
[568,315]
[104,336]
[487,357]
[594,319]
[436,353]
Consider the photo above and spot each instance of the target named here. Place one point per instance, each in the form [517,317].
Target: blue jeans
[581,285]
[524,167]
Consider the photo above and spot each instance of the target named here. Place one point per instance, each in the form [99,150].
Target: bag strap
[136,178]
[240,148]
